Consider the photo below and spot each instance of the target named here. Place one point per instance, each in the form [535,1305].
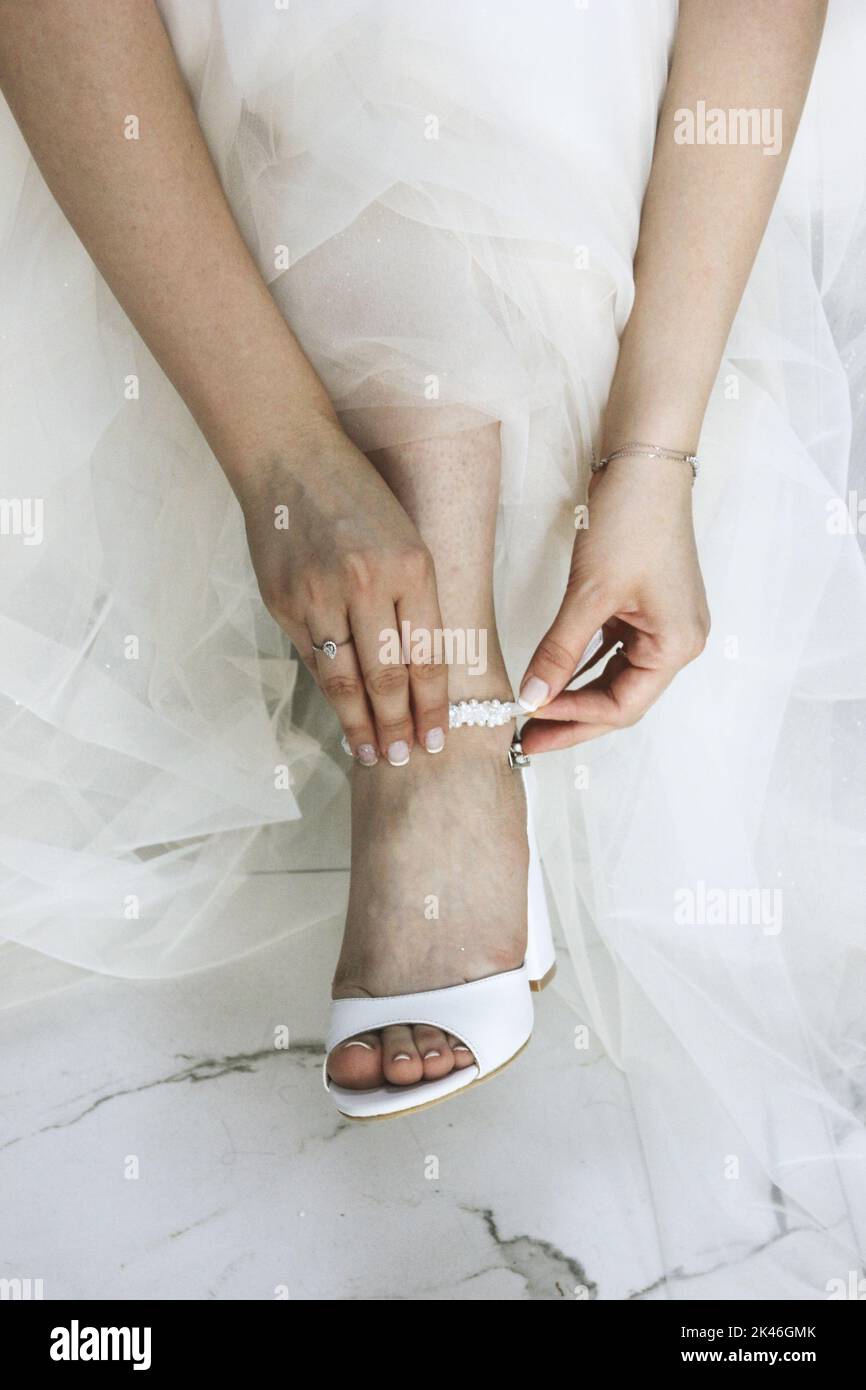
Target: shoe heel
[538,985]
[540,950]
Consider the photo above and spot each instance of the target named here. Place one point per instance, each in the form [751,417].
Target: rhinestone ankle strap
[489,714]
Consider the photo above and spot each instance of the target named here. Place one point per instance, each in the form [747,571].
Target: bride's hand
[635,575]
[336,556]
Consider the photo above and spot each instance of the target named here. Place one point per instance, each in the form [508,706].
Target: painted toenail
[356,1042]
[434,740]
[428,1055]
[458,1047]
[402,1057]
[398,753]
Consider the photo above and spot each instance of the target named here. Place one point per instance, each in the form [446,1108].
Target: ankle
[481,741]
[485,679]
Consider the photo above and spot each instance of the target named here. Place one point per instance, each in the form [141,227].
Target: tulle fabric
[445,202]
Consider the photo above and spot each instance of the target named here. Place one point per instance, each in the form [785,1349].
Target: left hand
[634,574]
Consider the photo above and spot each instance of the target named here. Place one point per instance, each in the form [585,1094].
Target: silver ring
[329,648]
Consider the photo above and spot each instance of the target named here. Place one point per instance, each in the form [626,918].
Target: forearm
[706,208]
[153,216]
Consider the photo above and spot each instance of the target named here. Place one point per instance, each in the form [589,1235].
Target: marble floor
[156,1144]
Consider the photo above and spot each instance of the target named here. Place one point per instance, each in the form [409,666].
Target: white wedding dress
[444,200]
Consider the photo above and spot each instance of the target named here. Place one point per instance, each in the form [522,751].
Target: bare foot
[438,895]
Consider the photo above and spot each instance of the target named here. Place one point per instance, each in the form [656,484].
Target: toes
[403,1055]
[400,1060]
[436,1056]
[357,1064]
[462,1056]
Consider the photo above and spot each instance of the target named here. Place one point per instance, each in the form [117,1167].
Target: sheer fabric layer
[445,202]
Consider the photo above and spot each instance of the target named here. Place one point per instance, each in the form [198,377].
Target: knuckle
[553,653]
[431,718]
[693,640]
[316,587]
[357,734]
[361,569]
[387,680]
[341,687]
[391,729]
[278,602]
[591,592]
[426,672]
[416,564]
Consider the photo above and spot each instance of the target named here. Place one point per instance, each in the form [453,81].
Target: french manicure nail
[367,754]
[398,753]
[434,740]
[534,692]
[402,1057]
[356,1042]
[428,1055]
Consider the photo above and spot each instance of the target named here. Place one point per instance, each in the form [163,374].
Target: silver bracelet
[656,451]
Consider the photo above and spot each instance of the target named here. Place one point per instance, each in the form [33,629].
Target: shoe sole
[538,985]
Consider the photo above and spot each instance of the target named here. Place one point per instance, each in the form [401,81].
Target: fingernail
[356,1042]
[533,693]
[428,1055]
[398,753]
[402,1057]
[367,754]
[434,740]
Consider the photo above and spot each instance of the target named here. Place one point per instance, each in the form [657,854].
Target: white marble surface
[249,1182]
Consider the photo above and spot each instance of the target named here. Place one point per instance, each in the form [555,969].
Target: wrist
[671,478]
[284,441]
[659,402]
[648,464]
[651,417]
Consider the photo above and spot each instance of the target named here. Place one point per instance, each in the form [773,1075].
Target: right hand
[635,575]
[350,563]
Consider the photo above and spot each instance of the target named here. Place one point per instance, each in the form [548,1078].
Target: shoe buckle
[516,755]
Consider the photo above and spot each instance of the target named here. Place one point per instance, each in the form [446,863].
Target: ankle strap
[489,714]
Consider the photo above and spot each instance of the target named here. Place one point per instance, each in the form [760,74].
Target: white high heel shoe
[493,1017]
